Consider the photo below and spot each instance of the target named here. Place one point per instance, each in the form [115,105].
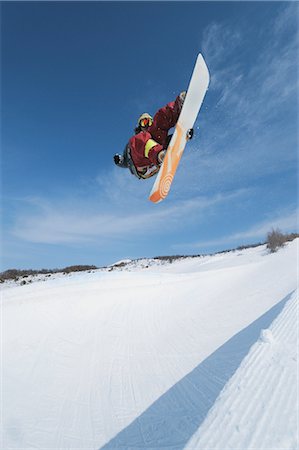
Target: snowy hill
[197,354]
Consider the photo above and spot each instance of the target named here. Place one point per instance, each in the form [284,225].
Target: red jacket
[146,145]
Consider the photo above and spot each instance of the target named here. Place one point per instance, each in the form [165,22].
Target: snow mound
[121,263]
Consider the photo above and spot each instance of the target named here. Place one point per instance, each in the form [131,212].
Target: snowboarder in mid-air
[145,151]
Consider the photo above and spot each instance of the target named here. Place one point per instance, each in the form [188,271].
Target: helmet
[145,120]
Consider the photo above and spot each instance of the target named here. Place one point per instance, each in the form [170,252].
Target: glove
[182,97]
[161,156]
[117,159]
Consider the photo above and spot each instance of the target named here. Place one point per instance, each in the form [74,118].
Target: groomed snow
[197,354]
[258,408]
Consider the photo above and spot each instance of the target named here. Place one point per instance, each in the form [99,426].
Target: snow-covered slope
[197,354]
[258,407]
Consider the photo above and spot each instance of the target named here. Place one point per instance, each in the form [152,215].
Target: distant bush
[246,246]
[169,259]
[16,274]
[80,268]
[118,265]
[276,239]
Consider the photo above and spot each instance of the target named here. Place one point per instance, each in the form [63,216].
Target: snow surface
[197,354]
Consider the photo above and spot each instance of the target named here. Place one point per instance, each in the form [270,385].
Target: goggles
[146,122]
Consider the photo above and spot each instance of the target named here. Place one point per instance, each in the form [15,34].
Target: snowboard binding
[189,134]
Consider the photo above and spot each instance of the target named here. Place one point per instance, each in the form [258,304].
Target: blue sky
[75,77]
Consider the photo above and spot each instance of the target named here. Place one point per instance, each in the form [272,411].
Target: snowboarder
[145,151]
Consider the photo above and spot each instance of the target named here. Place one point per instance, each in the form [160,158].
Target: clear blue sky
[75,77]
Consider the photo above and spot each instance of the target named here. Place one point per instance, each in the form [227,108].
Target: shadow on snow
[172,419]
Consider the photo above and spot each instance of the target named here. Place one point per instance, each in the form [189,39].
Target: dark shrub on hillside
[16,274]
[275,240]
[77,268]
[169,259]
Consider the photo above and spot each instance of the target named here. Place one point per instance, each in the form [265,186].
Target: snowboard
[183,130]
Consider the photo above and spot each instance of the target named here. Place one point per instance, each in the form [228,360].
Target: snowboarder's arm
[144,149]
[152,150]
